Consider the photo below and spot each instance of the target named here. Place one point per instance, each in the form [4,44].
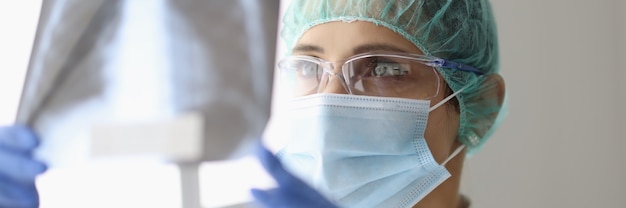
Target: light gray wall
[563,144]
[622,43]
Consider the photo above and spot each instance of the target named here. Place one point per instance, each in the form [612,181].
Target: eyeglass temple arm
[454,65]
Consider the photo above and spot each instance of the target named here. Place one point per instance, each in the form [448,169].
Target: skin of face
[337,41]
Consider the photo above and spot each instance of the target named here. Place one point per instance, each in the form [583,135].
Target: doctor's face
[337,41]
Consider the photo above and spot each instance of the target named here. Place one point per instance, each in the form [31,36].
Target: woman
[383,96]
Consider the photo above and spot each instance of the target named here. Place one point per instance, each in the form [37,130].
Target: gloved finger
[18,168]
[275,168]
[18,138]
[291,191]
[17,195]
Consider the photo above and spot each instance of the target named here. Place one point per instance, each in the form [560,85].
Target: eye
[306,69]
[387,68]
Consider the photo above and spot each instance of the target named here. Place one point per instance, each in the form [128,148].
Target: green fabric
[459,30]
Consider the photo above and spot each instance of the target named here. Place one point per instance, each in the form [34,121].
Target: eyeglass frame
[432,61]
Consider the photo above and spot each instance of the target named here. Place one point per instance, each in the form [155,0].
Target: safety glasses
[373,74]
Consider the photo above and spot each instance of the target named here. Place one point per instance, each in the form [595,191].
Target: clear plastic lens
[300,76]
[373,75]
[308,70]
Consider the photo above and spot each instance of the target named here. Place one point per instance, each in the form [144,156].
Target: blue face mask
[362,151]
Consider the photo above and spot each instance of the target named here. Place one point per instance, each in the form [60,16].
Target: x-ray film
[181,80]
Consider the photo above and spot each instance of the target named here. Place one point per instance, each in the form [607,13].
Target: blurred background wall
[563,144]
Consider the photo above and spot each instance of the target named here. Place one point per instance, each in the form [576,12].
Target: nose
[332,83]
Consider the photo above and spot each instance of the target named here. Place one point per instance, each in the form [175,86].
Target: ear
[488,103]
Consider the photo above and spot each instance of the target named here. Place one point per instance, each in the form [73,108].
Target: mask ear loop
[458,149]
[456,152]
[445,100]
[452,96]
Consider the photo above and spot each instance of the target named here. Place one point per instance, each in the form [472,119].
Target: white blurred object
[182,81]
[18,20]
[129,184]
[203,68]
[228,183]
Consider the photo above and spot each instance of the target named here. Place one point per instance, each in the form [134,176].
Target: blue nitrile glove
[291,191]
[18,169]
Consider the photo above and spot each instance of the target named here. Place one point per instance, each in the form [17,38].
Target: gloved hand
[291,191]
[18,169]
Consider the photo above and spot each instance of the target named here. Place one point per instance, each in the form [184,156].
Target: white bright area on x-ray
[111,183]
[561,146]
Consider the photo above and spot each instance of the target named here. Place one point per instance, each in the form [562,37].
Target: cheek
[441,132]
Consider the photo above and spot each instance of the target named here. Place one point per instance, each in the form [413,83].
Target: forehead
[342,38]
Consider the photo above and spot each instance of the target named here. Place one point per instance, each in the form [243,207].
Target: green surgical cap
[459,30]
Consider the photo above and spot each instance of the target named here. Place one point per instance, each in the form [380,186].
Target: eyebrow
[358,50]
[308,48]
[376,47]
